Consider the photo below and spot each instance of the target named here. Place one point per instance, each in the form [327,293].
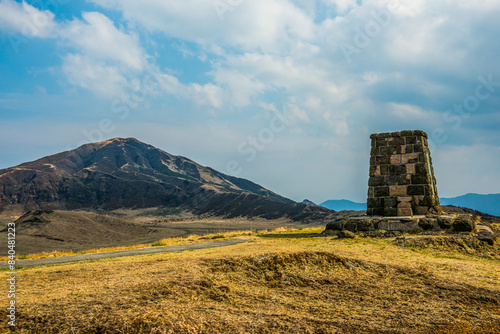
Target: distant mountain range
[485,203]
[489,204]
[126,173]
[343,204]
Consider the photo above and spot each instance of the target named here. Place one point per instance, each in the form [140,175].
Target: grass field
[278,282]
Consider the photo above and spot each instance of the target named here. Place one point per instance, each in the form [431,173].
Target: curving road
[128,252]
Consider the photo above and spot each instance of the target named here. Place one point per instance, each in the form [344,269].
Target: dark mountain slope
[126,173]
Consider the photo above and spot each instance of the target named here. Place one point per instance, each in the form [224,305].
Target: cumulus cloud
[98,37]
[261,24]
[85,72]
[25,19]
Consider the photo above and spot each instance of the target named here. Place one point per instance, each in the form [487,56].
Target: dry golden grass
[282,282]
[191,239]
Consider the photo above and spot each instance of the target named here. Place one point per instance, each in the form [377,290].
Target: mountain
[126,173]
[308,202]
[343,204]
[485,203]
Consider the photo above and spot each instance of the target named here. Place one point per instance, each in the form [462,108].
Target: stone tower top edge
[405,133]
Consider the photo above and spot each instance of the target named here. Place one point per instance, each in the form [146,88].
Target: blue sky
[284,93]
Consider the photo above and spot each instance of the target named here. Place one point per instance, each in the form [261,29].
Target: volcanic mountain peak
[126,173]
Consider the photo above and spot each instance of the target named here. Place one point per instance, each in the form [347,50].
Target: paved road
[129,252]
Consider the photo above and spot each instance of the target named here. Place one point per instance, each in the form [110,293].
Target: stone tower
[402,181]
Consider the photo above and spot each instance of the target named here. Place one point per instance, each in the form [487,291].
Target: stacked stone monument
[402,195]
[402,181]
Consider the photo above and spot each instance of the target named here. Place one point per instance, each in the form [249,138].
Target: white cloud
[204,95]
[342,6]
[99,38]
[97,77]
[406,111]
[261,24]
[22,18]
[242,87]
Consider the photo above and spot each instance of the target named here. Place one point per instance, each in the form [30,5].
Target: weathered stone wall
[402,181]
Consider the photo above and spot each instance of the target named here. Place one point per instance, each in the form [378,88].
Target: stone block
[381,142]
[365,225]
[429,191]
[484,230]
[398,225]
[404,199]
[375,202]
[335,226]
[426,224]
[395,141]
[374,171]
[378,211]
[397,190]
[369,211]
[421,210]
[398,180]
[383,159]
[418,190]
[382,135]
[417,148]
[407,133]
[384,170]
[397,169]
[387,150]
[420,133]
[390,212]
[445,222]
[428,201]
[390,202]
[420,179]
[375,151]
[410,169]
[351,225]
[346,235]
[396,134]
[409,158]
[404,212]
[418,200]
[421,168]
[423,157]
[382,191]
[404,205]
[401,149]
[395,159]
[463,223]
[409,149]
[376,181]
[411,140]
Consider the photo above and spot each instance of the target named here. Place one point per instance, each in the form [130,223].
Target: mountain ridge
[127,173]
